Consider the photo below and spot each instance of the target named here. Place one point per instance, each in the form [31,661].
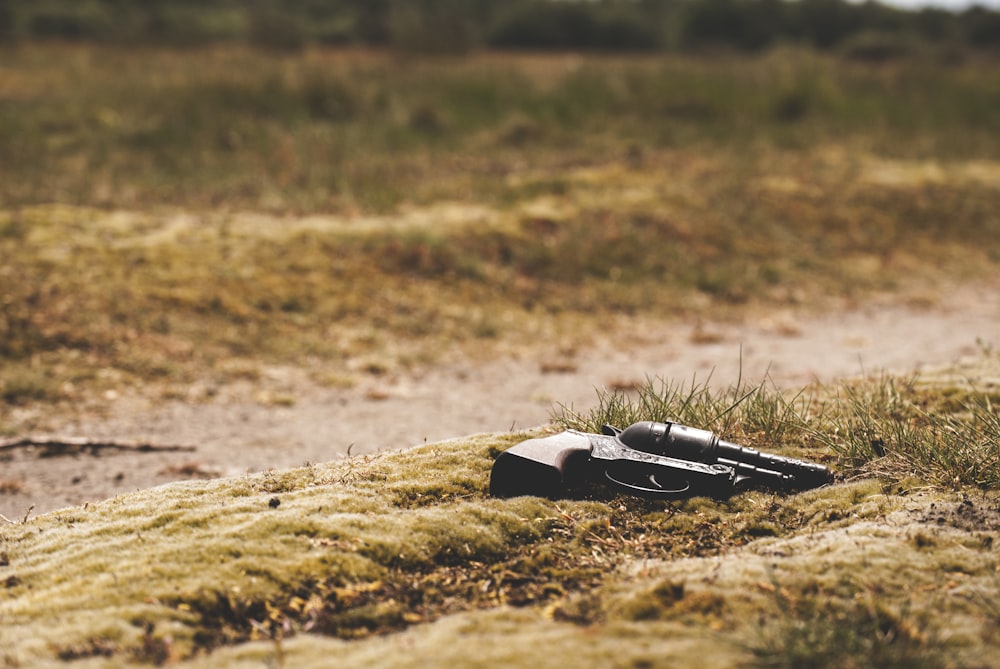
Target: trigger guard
[653,493]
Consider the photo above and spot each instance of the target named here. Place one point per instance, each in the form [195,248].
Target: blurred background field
[192,189]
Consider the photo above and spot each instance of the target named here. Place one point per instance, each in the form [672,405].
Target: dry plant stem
[22,521]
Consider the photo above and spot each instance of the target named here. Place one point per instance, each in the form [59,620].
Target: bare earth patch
[283,419]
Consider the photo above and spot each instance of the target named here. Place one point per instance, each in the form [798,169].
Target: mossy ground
[402,557]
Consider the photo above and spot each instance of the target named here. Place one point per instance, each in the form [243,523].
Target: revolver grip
[543,467]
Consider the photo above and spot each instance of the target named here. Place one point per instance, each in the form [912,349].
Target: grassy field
[170,215]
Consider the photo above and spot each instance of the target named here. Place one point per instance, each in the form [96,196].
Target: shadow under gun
[647,459]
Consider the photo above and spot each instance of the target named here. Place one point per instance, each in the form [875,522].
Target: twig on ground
[57,446]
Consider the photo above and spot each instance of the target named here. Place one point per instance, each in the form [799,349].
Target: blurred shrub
[935,24]
[6,21]
[981,27]
[273,29]
[85,20]
[566,25]
[329,98]
[456,26]
[178,25]
[825,23]
[444,26]
[737,23]
[876,47]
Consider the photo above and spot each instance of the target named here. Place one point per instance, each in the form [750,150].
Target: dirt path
[233,435]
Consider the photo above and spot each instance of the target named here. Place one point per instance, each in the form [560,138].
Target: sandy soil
[236,431]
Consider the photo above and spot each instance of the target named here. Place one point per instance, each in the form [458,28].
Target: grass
[403,555]
[894,427]
[762,412]
[905,430]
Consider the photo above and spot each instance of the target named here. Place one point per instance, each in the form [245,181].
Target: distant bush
[743,24]
[85,22]
[547,25]
[981,27]
[271,29]
[456,26]
[751,25]
[826,23]
[184,26]
[874,47]
[935,25]
[446,26]
[6,21]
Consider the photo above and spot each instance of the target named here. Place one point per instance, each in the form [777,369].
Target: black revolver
[647,459]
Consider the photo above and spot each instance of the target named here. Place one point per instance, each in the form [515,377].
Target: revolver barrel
[688,443]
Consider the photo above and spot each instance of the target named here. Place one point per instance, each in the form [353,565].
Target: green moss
[671,600]
[393,555]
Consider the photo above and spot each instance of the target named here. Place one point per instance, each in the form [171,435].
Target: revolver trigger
[681,486]
[645,484]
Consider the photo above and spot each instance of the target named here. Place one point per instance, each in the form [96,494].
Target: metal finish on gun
[647,459]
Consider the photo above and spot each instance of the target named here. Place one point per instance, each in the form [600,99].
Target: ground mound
[401,558]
